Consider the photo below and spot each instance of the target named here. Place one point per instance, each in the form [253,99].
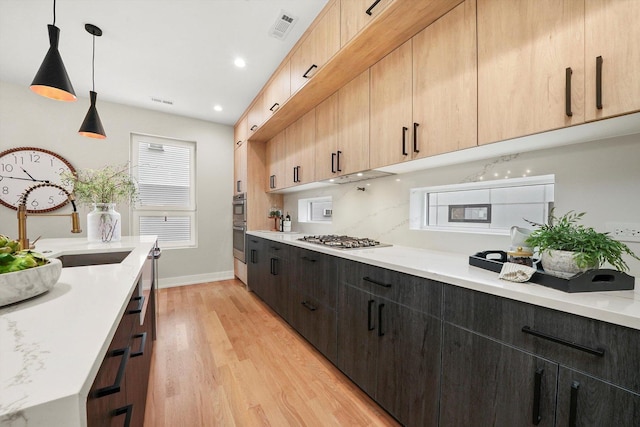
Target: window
[165,171]
[486,207]
[318,209]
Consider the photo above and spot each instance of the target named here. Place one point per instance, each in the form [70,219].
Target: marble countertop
[52,345]
[617,307]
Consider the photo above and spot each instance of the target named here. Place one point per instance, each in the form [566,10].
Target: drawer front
[415,292]
[607,351]
[277,249]
[315,276]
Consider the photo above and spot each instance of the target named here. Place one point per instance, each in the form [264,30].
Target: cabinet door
[278,90]
[445,84]
[300,140]
[524,50]
[240,131]
[391,110]
[408,363]
[275,162]
[256,115]
[356,14]
[240,168]
[327,138]
[320,45]
[357,337]
[612,32]
[487,383]
[586,401]
[353,125]
[257,265]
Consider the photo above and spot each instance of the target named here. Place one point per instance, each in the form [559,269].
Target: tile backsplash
[600,178]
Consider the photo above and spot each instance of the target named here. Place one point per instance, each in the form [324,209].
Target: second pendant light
[92,126]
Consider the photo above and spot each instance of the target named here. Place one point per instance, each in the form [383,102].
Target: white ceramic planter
[24,284]
[561,263]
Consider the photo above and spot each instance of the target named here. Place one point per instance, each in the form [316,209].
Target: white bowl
[20,285]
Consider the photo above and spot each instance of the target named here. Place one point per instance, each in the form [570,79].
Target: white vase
[103,223]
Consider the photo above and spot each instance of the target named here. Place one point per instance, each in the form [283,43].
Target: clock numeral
[5,190]
[51,201]
[18,160]
[35,158]
[7,167]
[34,203]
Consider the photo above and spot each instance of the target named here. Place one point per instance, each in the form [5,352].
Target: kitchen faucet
[22,214]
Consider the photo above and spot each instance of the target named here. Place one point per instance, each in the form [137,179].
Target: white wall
[601,178]
[30,120]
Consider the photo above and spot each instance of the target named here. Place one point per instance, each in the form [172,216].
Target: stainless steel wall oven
[239,225]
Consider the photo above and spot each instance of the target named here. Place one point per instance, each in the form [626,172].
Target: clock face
[22,168]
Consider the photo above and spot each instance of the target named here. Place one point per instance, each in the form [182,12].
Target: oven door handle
[239,227]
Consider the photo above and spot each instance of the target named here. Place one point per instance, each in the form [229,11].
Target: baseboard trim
[172,282]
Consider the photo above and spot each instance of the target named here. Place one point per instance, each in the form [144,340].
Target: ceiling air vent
[283,25]
[162,101]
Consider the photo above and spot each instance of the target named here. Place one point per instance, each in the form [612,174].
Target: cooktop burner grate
[343,242]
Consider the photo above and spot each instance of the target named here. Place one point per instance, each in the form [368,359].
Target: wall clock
[23,167]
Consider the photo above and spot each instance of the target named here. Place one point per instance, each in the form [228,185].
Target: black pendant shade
[52,80]
[92,126]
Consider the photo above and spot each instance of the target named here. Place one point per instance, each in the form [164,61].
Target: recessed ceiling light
[217,107]
[239,62]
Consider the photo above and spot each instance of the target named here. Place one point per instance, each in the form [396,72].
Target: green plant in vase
[564,238]
[103,189]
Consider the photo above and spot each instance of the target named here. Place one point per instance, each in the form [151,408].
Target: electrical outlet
[624,231]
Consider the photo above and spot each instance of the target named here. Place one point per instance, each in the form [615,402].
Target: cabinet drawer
[277,249]
[315,276]
[552,334]
[415,292]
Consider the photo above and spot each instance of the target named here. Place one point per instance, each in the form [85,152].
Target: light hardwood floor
[223,358]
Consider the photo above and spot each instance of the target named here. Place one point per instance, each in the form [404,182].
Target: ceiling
[181,51]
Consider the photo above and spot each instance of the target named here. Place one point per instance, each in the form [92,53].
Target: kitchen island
[52,346]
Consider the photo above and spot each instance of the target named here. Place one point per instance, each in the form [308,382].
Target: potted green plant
[567,247]
[103,189]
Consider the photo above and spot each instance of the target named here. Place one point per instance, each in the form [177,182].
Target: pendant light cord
[93,65]
[54,12]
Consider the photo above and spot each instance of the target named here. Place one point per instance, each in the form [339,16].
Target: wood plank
[224,358]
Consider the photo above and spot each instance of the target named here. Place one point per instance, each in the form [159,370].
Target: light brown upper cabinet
[352,154]
[342,130]
[255,116]
[240,131]
[530,66]
[612,57]
[277,90]
[423,94]
[356,14]
[240,168]
[299,151]
[320,45]
[276,162]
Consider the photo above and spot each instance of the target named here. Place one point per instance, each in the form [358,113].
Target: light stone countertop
[52,345]
[617,307]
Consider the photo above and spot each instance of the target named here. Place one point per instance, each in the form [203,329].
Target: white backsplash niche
[601,178]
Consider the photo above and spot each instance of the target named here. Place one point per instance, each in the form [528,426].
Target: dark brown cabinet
[119,392]
[594,364]
[268,271]
[389,331]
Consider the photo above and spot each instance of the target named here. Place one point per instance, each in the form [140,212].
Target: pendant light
[51,80]
[92,126]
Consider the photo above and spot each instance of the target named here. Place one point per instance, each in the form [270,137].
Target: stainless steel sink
[81,260]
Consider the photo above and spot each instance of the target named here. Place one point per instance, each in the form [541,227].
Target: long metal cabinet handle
[274,106]
[238,186]
[404,140]
[599,82]
[370,325]
[115,387]
[128,410]
[338,162]
[537,389]
[375,282]
[253,128]
[573,405]
[415,137]
[143,344]
[368,11]
[272,269]
[306,73]
[380,331]
[567,92]
[253,256]
[333,162]
[309,306]
[595,351]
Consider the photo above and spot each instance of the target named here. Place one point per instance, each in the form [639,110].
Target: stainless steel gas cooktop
[343,242]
